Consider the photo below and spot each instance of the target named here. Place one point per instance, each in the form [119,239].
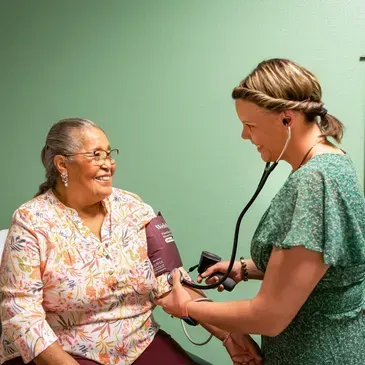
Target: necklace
[308,152]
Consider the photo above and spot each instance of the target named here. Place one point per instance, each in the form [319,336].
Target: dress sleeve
[325,220]
[23,318]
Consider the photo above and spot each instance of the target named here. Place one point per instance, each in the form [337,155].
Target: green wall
[157,76]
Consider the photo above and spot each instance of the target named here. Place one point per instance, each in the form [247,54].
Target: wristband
[244,271]
[185,314]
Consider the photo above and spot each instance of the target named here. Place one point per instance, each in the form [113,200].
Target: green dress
[322,208]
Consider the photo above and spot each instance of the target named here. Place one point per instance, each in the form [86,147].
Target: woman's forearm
[54,355]
[243,316]
[253,272]
[215,331]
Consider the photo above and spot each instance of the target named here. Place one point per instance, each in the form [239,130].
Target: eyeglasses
[99,156]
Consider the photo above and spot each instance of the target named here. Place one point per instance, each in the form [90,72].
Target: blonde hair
[280,84]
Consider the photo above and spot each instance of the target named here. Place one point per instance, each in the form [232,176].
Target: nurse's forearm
[243,316]
[215,331]
[253,272]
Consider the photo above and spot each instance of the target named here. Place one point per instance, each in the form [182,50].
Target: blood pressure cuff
[161,247]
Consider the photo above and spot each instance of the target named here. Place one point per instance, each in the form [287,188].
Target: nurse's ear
[287,118]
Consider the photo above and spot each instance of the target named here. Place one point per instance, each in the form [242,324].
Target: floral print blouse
[59,282]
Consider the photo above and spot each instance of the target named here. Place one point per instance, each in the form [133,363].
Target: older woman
[309,247]
[75,279]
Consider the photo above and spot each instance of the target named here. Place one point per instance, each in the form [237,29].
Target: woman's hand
[222,267]
[173,302]
[242,349]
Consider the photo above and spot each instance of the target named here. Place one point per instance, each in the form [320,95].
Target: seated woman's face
[89,177]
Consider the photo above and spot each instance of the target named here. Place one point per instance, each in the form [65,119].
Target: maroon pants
[79,359]
[163,350]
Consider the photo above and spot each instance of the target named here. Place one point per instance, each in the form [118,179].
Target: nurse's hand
[222,267]
[242,349]
[173,302]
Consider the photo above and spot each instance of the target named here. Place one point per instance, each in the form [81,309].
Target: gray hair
[61,140]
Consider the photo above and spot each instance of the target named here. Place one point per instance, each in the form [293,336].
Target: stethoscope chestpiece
[169,277]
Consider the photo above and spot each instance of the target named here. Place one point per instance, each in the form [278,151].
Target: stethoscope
[269,168]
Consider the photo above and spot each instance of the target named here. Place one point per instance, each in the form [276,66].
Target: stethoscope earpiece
[286,121]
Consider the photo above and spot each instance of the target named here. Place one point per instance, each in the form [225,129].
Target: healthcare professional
[309,247]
